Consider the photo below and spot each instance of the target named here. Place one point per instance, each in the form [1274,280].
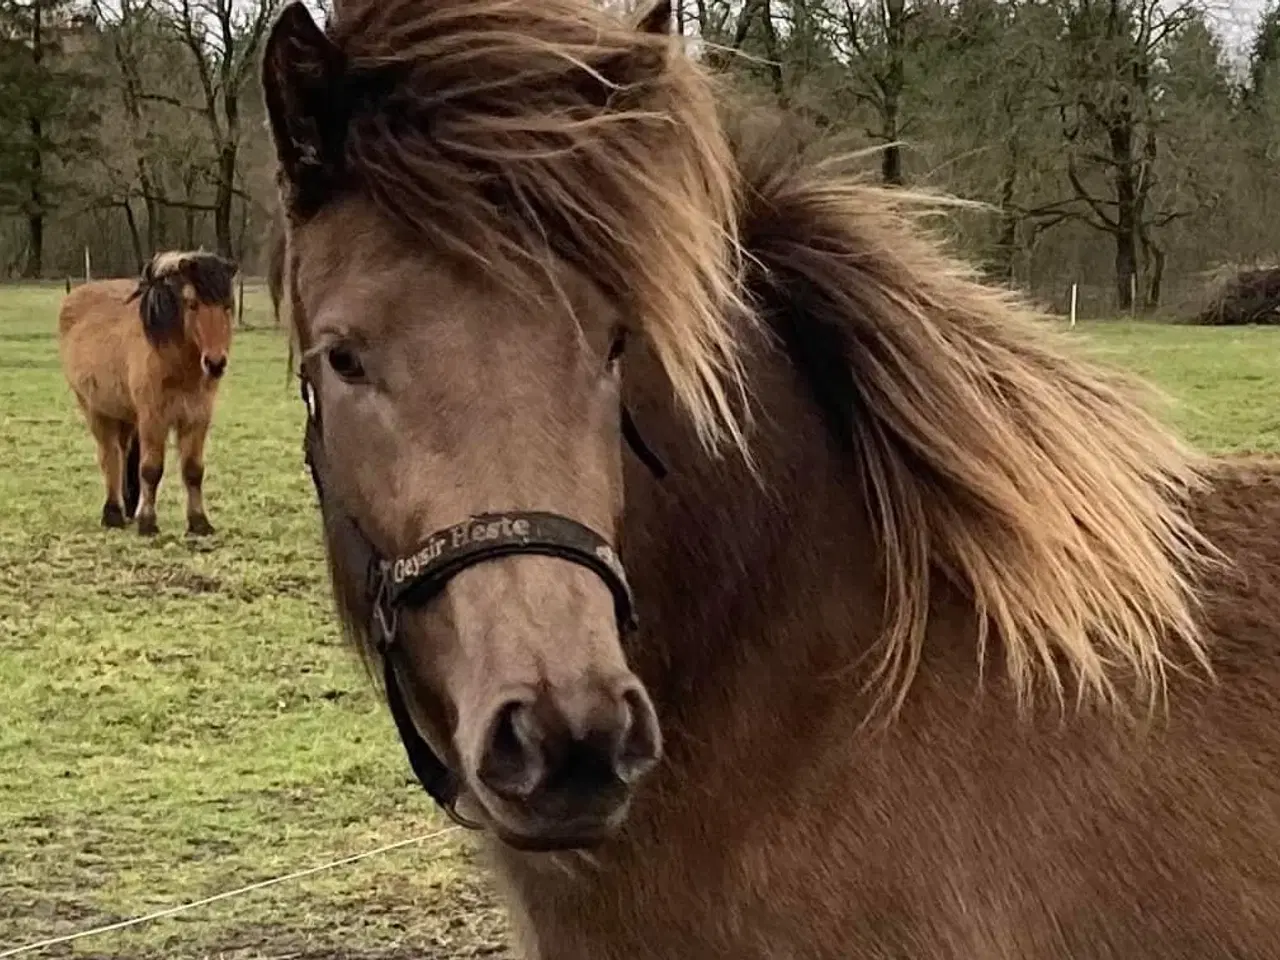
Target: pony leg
[191,453]
[132,488]
[151,439]
[106,433]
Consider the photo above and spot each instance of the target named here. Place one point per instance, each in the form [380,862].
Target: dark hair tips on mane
[159,290]
[160,305]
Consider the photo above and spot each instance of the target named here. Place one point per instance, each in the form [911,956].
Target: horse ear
[642,63]
[657,20]
[302,72]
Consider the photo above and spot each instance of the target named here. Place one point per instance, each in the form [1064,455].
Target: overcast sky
[1236,20]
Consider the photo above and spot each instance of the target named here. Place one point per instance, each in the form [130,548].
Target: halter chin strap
[415,579]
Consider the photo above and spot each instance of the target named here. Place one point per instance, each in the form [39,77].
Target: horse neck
[753,591]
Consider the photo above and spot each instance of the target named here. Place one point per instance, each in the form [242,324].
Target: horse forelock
[1038,482]
[503,132]
[210,276]
[159,290]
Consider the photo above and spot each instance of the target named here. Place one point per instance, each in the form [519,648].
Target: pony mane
[1037,482]
[159,290]
[505,131]
[510,133]
[211,276]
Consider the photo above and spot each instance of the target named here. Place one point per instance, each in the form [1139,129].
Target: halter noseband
[413,580]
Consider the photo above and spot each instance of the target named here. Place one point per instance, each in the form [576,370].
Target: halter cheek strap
[415,579]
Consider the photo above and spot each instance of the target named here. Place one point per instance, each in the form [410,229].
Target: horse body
[143,359]
[955,650]
[112,369]
[275,266]
[964,829]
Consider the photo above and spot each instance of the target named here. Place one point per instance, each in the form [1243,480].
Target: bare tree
[1111,126]
[129,29]
[874,39]
[223,39]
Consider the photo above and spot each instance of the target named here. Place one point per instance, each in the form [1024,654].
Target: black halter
[415,579]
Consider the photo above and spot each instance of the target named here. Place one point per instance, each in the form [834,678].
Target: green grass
[1224,381]
[178,718]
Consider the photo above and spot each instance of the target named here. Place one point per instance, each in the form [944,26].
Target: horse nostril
[582,743]
[639,745]
[215,366]
[513,764]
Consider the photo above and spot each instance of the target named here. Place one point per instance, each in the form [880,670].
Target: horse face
[208,326]
[443,396]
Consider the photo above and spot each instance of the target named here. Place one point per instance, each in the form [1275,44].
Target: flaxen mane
[1036,482]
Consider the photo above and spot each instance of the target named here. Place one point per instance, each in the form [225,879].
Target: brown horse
[143,358]
[935,656]
[275,266]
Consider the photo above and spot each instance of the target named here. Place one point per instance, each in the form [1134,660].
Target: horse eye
[619,344]
[345,363]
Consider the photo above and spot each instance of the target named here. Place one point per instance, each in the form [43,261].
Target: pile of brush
[1236,296]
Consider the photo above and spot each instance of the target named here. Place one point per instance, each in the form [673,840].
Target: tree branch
[1093,204]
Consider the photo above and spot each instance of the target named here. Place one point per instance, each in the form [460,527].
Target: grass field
[179,718]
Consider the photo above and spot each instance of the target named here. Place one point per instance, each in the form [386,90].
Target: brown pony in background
[275,266]
[948,648]
[145,357]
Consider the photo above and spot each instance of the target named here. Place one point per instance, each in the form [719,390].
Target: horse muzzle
[556,768]
[214,366]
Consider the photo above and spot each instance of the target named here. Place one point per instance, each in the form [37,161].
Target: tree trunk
[35,197]
[135,235]
[1126,226]
[189,209]
[223,197]
[1155,275]
[1126,261]
[771,52]
[34,266]
[227,156]
[892,85]
[1007,237]
[155,214]
[35,208]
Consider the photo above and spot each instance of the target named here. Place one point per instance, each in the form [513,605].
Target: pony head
[189,297]
[484,201]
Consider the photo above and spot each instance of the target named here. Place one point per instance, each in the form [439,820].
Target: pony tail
[132,485]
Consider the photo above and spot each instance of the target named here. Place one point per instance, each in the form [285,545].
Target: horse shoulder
[148,369]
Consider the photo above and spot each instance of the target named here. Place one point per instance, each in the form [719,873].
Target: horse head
[189,297]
